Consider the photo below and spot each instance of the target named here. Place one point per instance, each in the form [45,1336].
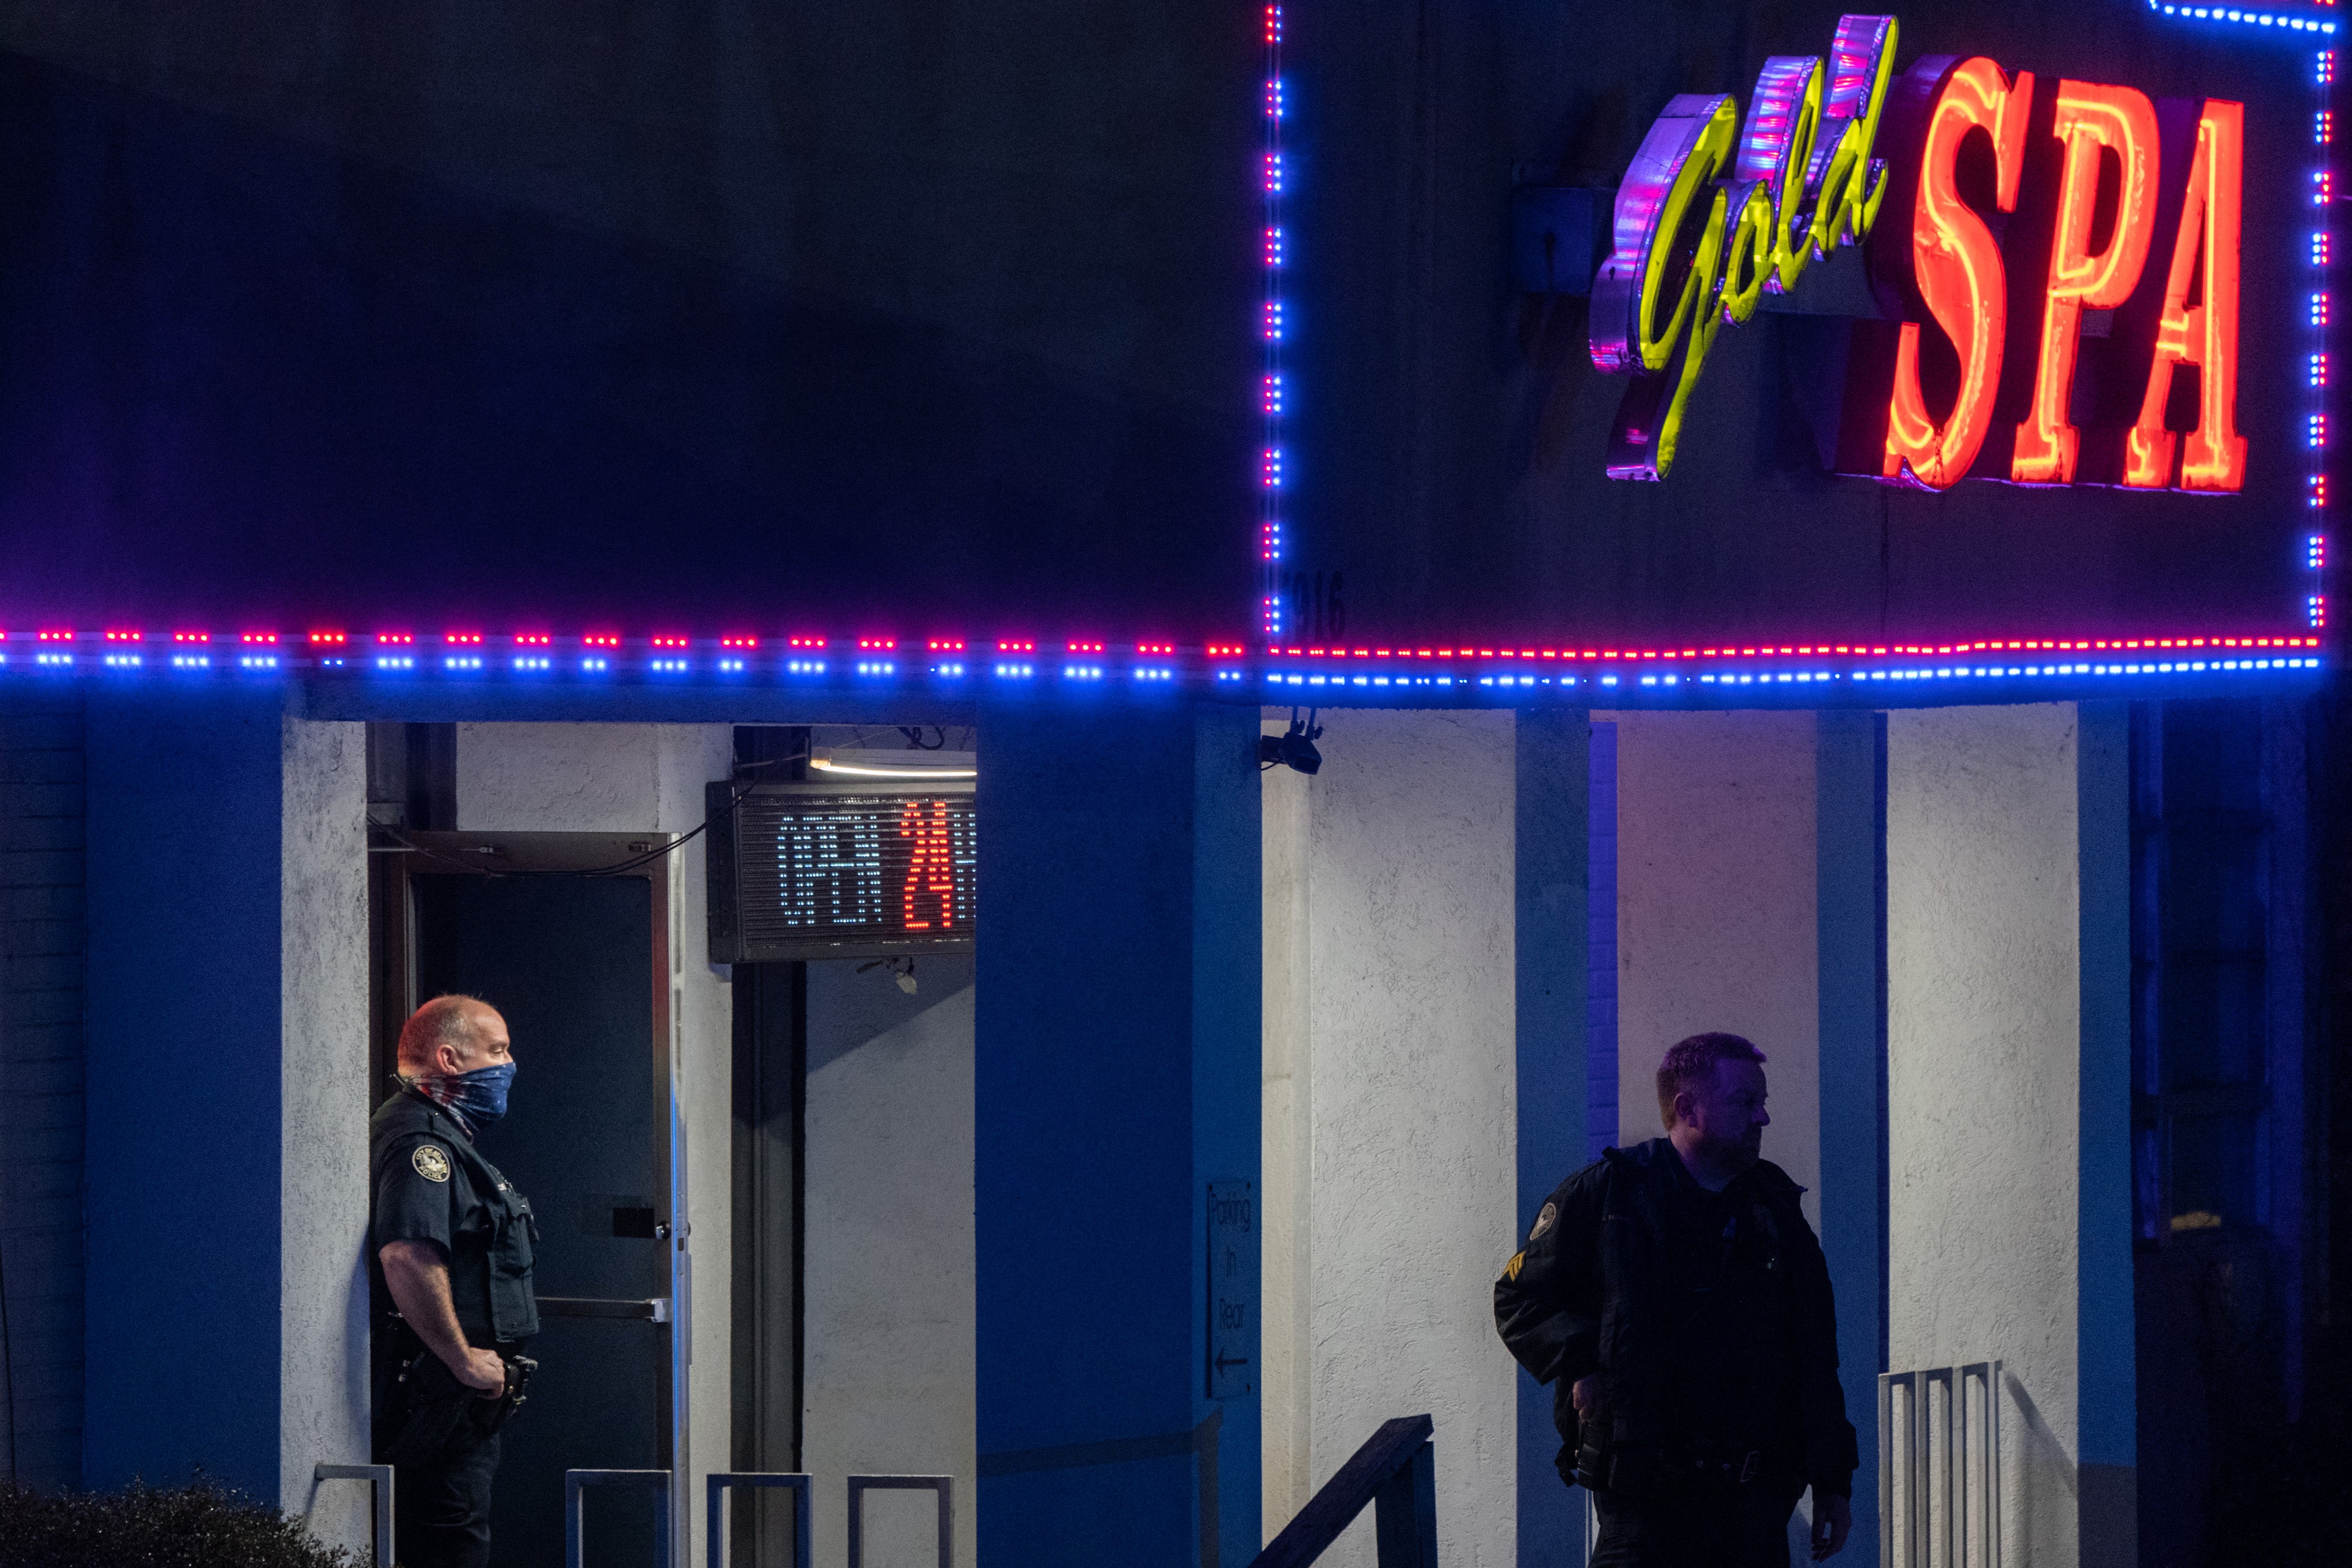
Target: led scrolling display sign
[2141,221]
[816,870]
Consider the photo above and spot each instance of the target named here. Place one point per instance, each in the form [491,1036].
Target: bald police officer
[451,1252]
[1677,1300]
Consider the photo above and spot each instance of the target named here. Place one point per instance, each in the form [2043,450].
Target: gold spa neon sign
[1715,213]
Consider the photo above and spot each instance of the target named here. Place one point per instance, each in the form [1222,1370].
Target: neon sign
[1714,214]
[1956,269]
[2205,335]
[1691,253]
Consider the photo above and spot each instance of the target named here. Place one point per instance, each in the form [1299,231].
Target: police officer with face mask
[451,1255]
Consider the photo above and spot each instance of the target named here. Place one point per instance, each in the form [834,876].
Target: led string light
[2285,21]
[2322,257]
[1272,328]
[1476,672]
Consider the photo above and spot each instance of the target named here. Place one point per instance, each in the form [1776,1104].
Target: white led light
[823,763]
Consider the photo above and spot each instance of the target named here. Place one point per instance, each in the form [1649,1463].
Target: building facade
[1097,687]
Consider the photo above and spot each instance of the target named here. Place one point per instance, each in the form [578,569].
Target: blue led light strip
[2252,17]
[876,667]
[2277,17]
[1272,328]
[2322,256]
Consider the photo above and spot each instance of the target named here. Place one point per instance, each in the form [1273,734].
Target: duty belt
[1655,1469]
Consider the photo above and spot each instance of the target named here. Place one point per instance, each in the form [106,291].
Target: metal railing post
[1395,1472]
[1887,1384]
[379,1479]
[1968,1451]
[1980,1441]
[803,1505]
[1404,1513]
[860,1485]
[576,1482]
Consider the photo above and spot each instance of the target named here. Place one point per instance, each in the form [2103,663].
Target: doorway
[565,933]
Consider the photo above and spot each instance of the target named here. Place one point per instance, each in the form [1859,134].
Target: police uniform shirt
[1724,1347]
[430,1184]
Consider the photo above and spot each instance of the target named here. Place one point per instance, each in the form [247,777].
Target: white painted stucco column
[1717,927]
[1391,1133]
[1746,902]
[324,1395]
[2008,1036]
[890,1368]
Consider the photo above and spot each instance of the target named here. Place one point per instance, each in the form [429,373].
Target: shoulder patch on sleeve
[1511,1268]
[430,1162]
[1543,1221]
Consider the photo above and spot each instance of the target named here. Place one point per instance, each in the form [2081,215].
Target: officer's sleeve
[1830,1447]
[1547,1301]
[413,1199]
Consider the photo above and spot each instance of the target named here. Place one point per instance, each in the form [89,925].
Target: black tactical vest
[492,1231]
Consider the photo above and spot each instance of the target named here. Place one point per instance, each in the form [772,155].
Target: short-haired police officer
[1677,1298]
[451,1246]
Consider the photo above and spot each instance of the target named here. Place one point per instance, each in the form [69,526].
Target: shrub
[198,1526]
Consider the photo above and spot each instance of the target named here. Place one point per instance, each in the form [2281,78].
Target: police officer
[451,1254]
[1680,1304]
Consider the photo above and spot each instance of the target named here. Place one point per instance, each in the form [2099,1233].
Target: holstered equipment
[496,1413]
[438,1407]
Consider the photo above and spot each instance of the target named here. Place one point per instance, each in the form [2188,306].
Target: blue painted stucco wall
[1553,845]
[1849,838]
[1117,1044]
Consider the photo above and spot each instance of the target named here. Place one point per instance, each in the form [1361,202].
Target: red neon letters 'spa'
[929,872]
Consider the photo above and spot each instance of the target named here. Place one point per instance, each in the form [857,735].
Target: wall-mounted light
[1294,747]
[823,762]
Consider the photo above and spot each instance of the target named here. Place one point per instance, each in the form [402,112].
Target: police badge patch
[434,1165]
[1543,1221]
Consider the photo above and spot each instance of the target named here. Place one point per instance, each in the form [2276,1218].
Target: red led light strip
[675,641]
[1802,650]
[1272,396]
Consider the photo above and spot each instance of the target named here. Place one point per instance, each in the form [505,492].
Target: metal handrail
[1971,1455]
[860,1485]
[803,1505]
[1396,1472]
[576,1482]
[379,1479]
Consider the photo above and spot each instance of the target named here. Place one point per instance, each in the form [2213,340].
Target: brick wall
[41,946]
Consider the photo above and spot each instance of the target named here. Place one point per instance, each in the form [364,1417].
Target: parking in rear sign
[1233,1288]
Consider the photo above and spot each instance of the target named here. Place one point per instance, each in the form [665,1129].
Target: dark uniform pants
[1740,1527]
[443,1507]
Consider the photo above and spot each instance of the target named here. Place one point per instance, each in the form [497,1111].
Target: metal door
[577,964]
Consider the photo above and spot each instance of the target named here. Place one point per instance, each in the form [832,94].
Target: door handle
[656,1310]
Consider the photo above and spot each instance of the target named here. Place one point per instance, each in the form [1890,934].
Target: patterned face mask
[477,1099]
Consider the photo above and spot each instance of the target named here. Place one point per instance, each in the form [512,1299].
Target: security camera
[1294,747]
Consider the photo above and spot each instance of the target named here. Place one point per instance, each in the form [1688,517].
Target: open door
[573,953]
